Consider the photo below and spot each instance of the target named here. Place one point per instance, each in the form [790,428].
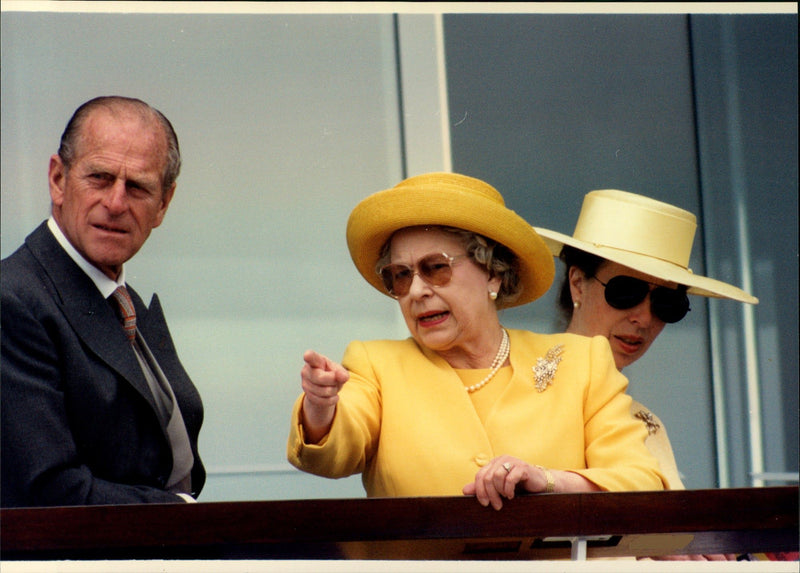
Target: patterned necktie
[128,312]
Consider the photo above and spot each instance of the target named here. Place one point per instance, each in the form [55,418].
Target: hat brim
[697,284]
[376,218]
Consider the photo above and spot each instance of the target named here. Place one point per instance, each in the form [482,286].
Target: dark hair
[72,133]
[587,262]
[498,260]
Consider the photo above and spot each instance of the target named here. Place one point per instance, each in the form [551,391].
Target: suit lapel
[153,326]
[90,315]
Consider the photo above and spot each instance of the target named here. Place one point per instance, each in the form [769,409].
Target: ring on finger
[508,467]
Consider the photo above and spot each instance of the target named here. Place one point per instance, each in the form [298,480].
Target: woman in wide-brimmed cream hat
[464,405]
[626,277]
[641,245]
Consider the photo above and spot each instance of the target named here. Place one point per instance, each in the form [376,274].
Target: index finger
[315,359]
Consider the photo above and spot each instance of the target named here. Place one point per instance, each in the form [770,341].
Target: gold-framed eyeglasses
[435,269]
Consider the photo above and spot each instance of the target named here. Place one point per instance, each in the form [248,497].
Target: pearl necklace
[499,360]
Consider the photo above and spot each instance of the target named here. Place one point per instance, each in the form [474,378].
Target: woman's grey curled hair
[497,259]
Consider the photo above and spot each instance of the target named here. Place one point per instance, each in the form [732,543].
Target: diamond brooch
[545,369]
[649,421]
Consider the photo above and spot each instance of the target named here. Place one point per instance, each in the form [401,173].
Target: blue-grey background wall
[699,111]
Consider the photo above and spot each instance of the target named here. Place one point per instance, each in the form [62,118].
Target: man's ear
[56,176]
[166,198]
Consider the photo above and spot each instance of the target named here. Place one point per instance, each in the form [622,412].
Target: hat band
[639,254]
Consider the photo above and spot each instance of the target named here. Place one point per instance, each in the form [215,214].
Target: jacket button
[481,460]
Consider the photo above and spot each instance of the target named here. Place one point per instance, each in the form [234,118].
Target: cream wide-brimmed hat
[649,236]
[451,200]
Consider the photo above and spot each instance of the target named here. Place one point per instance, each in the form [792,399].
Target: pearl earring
[576,304]
[492,295]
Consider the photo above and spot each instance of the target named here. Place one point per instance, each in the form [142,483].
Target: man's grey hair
[73,132]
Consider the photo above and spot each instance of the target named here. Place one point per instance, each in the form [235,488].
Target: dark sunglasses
[435,269]
[667,304]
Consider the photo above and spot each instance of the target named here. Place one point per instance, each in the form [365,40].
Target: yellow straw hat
[649,236]
[451,200]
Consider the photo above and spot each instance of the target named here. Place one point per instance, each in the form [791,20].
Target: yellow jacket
[405,421]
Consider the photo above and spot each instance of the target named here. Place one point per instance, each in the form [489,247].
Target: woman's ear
[576,283]
[495,283]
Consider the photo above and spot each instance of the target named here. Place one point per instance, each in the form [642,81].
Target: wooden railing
[555,526]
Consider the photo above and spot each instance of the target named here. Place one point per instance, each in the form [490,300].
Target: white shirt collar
[105,285]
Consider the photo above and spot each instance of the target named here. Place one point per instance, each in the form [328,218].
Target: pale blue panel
[285,122]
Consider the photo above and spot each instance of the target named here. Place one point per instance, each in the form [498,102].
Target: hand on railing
[504,476]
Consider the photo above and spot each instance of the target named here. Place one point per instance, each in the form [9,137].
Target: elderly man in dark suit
[96,406]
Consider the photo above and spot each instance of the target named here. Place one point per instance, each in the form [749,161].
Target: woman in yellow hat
[627,277]
[464,405]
